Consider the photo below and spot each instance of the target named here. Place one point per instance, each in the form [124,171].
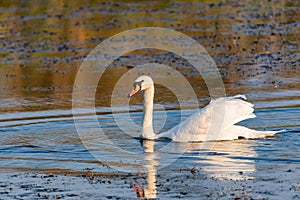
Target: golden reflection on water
[228,158]
[150,165]
[255,44]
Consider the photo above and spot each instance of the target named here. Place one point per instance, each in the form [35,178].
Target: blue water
[50,140]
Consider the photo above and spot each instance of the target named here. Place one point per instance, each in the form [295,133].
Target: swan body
[216,121]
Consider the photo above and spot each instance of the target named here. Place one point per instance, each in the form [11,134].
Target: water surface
[255,45]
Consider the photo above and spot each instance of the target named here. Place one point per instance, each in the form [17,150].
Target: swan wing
[213,121]
[236,109]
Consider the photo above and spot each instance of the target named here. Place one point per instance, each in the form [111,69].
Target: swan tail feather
[237,132]
[263,134]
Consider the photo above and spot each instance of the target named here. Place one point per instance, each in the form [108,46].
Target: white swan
[202,125]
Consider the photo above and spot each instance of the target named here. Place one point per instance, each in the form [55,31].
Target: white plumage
[216,121]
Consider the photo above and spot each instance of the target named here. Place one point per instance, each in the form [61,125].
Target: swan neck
[148,113]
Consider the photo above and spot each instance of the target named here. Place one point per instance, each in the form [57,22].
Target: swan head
[142,83]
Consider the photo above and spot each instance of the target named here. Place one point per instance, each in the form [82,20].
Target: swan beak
[137,86]
[135,90]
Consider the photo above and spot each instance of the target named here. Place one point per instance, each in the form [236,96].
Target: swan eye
[138,85]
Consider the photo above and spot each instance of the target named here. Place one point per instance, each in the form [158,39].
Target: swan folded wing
[223,113]
[194,128]
[236,110]
[230,110]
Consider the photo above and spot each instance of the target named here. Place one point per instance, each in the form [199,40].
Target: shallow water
[43,45]
[49,139]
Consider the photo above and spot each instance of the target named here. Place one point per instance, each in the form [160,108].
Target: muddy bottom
[274,182]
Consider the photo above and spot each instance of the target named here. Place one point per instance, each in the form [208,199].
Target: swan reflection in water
[226,160]
[231,160]
[150,164]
